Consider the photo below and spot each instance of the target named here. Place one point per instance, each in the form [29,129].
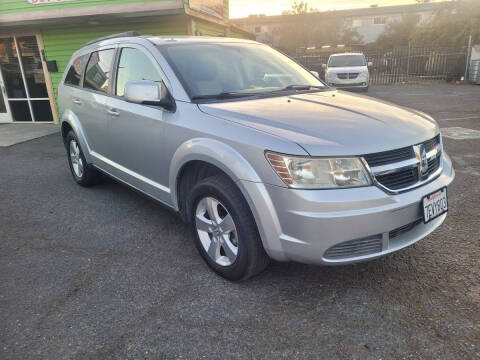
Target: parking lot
[104,273]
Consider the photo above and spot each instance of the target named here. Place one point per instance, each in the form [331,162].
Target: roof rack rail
[114,36]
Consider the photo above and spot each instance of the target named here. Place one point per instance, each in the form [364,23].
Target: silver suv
[256,153]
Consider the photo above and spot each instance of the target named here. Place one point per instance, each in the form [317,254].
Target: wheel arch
[199,158]
[69,121]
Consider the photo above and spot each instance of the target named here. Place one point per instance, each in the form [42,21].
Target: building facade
[38,37]
[370,22]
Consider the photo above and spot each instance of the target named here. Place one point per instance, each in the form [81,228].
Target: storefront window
[20,66]
[11,72]
[32,67]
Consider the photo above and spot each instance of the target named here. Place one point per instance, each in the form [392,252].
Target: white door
[5,115]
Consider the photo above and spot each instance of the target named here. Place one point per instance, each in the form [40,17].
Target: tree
[399,33]
[304,30]
[300,7]
[449,29]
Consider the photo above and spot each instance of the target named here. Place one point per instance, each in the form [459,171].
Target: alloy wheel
[217,231]
[75,157]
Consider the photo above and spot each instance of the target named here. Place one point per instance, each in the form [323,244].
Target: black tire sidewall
[243,224]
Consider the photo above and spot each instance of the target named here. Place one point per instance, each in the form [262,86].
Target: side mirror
[324,66]
[149,93]
[316,74]
[370,64]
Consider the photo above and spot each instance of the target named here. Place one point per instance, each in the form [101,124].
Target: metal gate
[403,64]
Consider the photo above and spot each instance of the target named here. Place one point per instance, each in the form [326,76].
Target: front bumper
[358,83]
[304,225]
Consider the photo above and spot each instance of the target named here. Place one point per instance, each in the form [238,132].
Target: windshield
[209,69]
[346,60]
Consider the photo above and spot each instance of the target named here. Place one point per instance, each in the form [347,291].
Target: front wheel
[224,230]
[83,173]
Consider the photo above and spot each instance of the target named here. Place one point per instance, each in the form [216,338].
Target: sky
[243,8]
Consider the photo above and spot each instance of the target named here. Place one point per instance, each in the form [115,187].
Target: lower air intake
[354,248]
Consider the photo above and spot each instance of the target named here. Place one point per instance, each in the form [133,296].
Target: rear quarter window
[75,73]
[99,70]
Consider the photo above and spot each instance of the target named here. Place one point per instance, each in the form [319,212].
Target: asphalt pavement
[104,273]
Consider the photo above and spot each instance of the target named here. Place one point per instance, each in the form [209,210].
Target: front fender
[214,152]
[69,117]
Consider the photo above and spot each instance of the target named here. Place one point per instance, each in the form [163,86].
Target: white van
[347,70]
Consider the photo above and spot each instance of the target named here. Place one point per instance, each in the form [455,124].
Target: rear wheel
[224,230]
[83,173]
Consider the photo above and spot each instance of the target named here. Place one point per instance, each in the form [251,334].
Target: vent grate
[403,229]
[354,248]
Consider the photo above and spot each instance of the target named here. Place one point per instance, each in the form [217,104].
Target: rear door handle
[77,101]
[113,112]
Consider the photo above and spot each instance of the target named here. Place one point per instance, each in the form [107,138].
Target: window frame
[145,52]
[376,18]
[80,82]
[112,68]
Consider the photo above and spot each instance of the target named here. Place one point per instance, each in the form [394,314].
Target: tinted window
[134,65]
[99,70]
[76,71]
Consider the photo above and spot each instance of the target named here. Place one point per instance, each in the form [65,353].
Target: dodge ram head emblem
[421,155]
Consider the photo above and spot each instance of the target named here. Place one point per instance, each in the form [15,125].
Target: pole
[408,60]
[469,50]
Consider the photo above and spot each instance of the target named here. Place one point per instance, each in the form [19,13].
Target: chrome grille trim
[406,181]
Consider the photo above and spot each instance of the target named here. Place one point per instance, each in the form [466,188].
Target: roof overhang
[138,9]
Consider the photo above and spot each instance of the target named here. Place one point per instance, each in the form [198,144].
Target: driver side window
[134,65]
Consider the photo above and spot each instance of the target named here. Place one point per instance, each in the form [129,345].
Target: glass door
[5,115]
[25,93]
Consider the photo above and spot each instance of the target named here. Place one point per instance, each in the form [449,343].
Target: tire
[250,258]
[87,176]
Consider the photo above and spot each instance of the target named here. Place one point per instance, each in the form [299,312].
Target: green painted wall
[204,28]
[18,6]
[61,43]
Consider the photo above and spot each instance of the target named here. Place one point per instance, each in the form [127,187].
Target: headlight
[319,173]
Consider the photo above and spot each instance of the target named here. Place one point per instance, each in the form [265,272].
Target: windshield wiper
[301,87]
[222,96]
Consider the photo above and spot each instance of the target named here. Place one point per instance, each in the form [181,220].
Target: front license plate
[434,205]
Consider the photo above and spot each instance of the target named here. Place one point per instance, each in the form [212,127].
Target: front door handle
[113,112]
[77,101]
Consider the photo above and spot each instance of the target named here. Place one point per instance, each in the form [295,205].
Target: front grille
[388,157]
[354,248]
[433,164]
[345,76]
[397,177]
[430,144]
[403,229]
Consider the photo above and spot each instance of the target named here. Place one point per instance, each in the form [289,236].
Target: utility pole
[469,51]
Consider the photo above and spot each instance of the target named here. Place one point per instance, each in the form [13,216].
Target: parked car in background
[347,70]
[259,156]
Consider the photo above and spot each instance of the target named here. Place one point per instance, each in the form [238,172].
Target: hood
[331,122]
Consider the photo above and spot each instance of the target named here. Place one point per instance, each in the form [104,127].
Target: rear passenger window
[134,65]
[76,71]
[99,71]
